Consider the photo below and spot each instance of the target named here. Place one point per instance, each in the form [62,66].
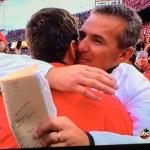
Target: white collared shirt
[134,93]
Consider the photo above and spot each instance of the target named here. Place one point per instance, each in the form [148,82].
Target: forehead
[142,54]
[98,23]
[143,57]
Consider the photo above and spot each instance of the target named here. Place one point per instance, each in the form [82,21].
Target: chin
[83,62]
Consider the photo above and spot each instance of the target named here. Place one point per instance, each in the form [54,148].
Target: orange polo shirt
[106,114]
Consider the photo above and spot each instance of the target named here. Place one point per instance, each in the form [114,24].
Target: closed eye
[99,39]
[81,35]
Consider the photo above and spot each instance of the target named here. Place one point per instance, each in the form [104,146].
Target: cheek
[102,59]
[2,47]
[101,55]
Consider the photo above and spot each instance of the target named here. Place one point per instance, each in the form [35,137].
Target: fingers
[99,71]
[62,144]
[88,92]
[53,138]
[46,126]
[51,130]
[72,136]
[61,131]
[78,77]
[51,124]
[94,78]
[97,79]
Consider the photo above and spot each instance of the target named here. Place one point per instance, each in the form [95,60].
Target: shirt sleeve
[108,138]
[11,62]
[134,93]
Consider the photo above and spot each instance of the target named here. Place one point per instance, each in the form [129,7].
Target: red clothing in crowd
[7,139]
[147,74]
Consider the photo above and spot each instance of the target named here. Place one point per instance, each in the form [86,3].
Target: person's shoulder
[58,64]
[128,70]
[128,67]
[131,73]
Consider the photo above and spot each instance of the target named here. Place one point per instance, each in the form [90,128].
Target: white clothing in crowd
[134,93]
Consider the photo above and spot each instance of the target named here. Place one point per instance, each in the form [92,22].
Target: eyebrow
[94,36]
[100,38]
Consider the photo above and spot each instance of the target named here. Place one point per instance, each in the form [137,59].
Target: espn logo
[145,133]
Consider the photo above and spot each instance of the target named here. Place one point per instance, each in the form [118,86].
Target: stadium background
[141,6]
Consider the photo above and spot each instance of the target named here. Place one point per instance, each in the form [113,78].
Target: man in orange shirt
[52,36]
[7,139]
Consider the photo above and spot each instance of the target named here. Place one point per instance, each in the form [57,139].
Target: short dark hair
[49,33]
[129,36]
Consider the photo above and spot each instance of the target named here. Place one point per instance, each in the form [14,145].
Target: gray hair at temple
[129,36]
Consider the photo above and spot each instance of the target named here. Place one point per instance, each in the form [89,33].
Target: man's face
[98,41]
[142,61]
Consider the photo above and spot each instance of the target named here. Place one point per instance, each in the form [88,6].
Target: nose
[83,45]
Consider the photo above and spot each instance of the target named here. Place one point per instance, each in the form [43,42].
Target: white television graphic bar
[107,2]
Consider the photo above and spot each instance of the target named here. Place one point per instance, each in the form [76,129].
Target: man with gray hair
[107,39]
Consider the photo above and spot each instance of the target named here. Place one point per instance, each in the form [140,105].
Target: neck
[111,69]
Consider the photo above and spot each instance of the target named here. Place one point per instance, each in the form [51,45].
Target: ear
[70,54]
[125,55]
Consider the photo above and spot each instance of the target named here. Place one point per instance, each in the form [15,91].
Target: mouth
[142,62]
[83,60]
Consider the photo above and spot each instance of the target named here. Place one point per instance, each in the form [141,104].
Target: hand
[59,132]
[81,79]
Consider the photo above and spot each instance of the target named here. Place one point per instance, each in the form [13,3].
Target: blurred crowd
[15,35]
[137,4]
[19,47]
[142,55]
[140,58]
